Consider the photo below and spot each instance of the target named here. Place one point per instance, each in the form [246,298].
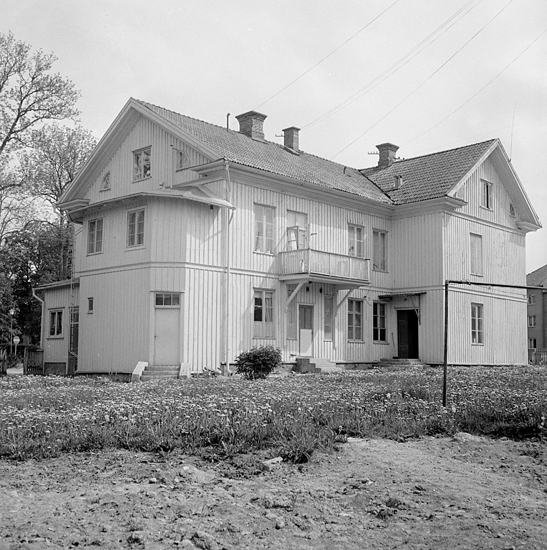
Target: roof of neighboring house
[429,176]
[537,277]
[273,157]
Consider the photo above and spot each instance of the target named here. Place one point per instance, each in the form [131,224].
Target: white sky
[207,58]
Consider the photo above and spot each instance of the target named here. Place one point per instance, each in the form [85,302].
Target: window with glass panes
[264,228]
[141,164]
[95,236]
[328,302]
[379,330]
[263,314]
[356,241]
[135,228]
[477,324]
[355,320]
[379,256]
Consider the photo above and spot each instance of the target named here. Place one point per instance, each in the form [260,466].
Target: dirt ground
[441,493]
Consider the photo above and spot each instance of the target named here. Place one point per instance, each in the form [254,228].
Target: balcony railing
[324,265]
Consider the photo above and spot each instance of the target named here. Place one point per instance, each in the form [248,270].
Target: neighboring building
[537,311]
[197,242]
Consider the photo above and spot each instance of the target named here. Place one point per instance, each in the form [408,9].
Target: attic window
[512,212]
[105,184]
[182,159]
[486,201]
[141,164]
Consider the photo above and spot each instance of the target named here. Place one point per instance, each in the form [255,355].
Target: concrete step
[309,365]
[160,372]
[400,362]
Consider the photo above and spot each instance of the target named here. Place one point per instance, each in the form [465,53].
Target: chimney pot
[251,124]
[387,154]
[291,138]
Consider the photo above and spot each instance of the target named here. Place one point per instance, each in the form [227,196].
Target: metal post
[445,369]
[12,313]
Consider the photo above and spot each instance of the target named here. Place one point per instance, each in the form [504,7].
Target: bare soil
[442,493]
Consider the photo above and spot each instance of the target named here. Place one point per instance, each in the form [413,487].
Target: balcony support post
[293,294]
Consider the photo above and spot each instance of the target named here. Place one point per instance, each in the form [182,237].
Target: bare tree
[30,94]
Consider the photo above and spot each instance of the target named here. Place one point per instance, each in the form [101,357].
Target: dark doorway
[407,334]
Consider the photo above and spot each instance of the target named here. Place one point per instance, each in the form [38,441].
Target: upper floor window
[105,183]
[531,299]
[512,211]
[356,240]
[355,320]
[486,200]
[379,330]
[135,228]
[297,230]
[379,256]
[56,322]
[531,320]
[95,236]
[264,228]
[477,321]
[476,254]
[141,164]
[263,314]
[182,160]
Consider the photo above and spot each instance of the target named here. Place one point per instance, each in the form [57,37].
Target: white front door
[305,324]
[167,336]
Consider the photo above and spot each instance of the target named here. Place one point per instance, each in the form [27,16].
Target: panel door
[167,336]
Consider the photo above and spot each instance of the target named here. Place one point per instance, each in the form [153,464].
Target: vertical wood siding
[117,332]
[56,348]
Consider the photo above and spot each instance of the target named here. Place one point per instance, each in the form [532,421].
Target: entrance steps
[400,362]
[309,365]
[160,372]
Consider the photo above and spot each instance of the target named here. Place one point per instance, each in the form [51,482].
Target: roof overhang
[339,282]
[59,284]
[440,204]
[403,295]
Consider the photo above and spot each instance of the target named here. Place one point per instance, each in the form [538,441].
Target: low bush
[258,363]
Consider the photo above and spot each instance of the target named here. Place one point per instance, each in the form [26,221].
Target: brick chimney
[251,124]
[290,138]
[387,154]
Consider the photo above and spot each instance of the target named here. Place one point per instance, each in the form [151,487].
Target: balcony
[325,267]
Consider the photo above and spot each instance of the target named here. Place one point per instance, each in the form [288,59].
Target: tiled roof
[429,176]
[537,277]
[274,158]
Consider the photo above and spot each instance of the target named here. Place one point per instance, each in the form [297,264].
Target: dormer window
[141,164]
[486,201]
[105,184]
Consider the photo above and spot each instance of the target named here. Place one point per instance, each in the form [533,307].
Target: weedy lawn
[294,416]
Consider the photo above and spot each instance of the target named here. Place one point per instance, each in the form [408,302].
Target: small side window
[90,305]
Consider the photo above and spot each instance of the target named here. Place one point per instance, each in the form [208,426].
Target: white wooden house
[197,242]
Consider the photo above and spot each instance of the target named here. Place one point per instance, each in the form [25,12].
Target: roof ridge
[449,150]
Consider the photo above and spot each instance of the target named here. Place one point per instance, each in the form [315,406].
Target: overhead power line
[425,43]
[425,81]
[328,55]
[479,91]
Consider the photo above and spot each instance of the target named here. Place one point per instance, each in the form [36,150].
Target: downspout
[228,216]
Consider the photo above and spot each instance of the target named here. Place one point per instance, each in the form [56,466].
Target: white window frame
[532,321]
[532,343]
[476,254]
[356,240]
[142,164]
[531,299]
[263,313]
[264,229]
[328,317]
[132,238]
[95,229]
[90,304]
[477,324]
[167,300]
[55,323]
[379,314]
[487,198]
[379,255]
[355,320]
